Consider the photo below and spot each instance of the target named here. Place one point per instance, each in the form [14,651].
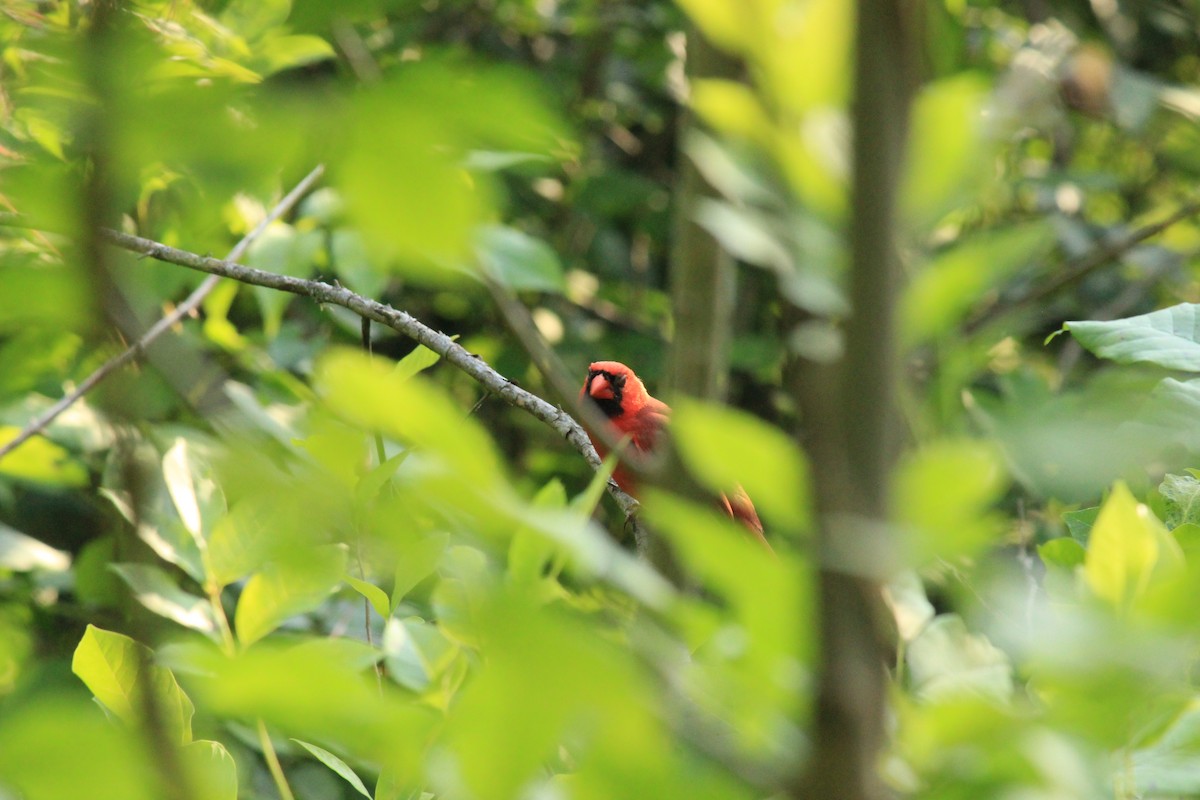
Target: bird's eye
[618,381]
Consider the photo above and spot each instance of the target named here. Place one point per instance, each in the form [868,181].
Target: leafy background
[262,563]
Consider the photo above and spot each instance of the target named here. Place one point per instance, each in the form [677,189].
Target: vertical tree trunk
[702,274]
[850,416]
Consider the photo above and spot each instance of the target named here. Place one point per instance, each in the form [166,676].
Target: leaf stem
[281,784]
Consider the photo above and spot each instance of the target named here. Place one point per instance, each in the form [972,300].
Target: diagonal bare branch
[400,321]
[190,304]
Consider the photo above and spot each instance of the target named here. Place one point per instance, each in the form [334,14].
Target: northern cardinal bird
[622,397]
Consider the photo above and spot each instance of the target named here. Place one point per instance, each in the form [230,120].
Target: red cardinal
[622,397]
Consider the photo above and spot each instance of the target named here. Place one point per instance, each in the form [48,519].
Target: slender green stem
[281,784]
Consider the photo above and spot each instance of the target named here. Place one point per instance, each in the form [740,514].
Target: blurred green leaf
[376,596]
[419,359]
[416,652]
[519,261]
[952,283]
[946,660]
[21,553]
[726,448]
[114,668]
[154,589]
[1080,523]
[286,588]
[947,147]
[416,560]
[212,770]
[944,494]
[337,765]
[40,461]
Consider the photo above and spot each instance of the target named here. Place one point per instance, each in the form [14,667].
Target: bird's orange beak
[600,388]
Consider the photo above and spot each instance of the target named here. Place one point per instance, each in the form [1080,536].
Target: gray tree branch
[138,348]
[400,321]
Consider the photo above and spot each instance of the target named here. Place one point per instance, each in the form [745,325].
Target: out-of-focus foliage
[260,557]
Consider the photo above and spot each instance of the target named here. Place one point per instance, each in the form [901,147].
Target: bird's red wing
[741,508]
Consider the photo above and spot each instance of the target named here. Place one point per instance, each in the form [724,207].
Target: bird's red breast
[631,411]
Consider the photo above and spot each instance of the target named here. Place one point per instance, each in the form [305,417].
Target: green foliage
[260,544]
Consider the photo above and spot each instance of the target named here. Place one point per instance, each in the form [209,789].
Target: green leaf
[212,769]
[947,155]
[725,448]
[21,553]
[586,501]
[285,589]
[1123,548]
[365,391]
[39,460]
[519,261]
[419,359]
[376,596]
[1063,552]
[1171,765]
[111,666]
[950,285]
[1169,338]
[154,589]
[1182,493]
[278,53]
[529,552]
[239,543]
[1080,523]
[944,493]
[417,559]
[416,652]
[946,660]
[337,765]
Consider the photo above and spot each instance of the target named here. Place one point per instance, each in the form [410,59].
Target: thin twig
[138,348]
[521,323]
[1081,267]
[401,322]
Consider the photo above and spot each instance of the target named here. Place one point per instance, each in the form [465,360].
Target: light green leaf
[239,543]
[365,391]
[154,589]
[725,448]
[417,560]
[947,147]
[21,553]
[212,769]
[110,664]
[337,765]
[285,589]
[416,652]
[177,472]
[1063,552]
[946,660]
[40,461]
[1080,523]
[519,261]
[1171,765]
[1182,493]
[419,359]
[950,285]
[285,52]
[376,596]
[1169,337]
[1123,548]
[944,493]
[586,501]
[529,552]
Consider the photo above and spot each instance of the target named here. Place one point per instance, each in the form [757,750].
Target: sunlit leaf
[118,670]
[154,589]
[416,652]
[1125,544]
[40,461]
[284,589]
[21,553]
